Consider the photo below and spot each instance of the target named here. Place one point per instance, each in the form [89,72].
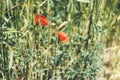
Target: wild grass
[33,52]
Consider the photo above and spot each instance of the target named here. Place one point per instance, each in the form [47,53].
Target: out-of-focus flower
[63,37]
[41,19]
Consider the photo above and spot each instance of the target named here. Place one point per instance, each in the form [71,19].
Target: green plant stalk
[90,25]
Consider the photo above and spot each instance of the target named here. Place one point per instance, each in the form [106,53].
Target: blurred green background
[33,52]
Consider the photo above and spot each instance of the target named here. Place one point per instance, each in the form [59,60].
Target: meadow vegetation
[35,51]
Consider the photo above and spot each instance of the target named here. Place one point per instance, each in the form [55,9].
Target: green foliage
[33,52]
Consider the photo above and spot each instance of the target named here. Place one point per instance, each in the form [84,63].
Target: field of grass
[68,40]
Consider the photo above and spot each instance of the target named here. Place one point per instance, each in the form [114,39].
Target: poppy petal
[63,37]
[43,20]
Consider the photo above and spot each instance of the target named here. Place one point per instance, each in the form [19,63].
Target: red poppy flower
[63,37]
[42,19]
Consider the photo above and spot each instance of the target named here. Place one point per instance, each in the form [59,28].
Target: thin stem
[89,26]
